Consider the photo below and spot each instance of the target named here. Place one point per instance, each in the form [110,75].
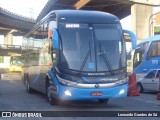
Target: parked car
[150,82]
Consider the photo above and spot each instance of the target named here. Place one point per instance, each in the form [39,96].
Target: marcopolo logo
[96,85]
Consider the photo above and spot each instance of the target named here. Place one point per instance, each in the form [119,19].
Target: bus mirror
[54,58]
[129,56]
[132,37]
[55,39]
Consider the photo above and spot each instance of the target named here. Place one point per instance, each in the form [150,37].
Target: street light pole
[150,23]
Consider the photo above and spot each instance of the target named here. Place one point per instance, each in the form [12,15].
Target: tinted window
[109,47]
[158,73]
[154,50]
[111,33]
[92,47]
[138,57]
[151,74]
[77,44]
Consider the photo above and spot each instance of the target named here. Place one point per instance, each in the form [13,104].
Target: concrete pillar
[8,39]
[140,15]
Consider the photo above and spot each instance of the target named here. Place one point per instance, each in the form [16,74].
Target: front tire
[28,87]
[51,100]
[140,87]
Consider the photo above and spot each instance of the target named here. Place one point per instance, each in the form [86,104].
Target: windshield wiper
[105,58]
[85,60]
[86,57]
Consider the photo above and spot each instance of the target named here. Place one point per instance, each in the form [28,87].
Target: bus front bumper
[15,69]
[70,93]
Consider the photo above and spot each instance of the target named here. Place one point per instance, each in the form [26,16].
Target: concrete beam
[140,15]
[147,2]
[81,3]
[12,31]
[8,39]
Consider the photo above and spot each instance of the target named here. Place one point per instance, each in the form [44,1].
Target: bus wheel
[28,88]
[51,100]
[140,87]
[103,100]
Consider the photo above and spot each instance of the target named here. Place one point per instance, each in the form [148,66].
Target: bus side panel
[147,65]
[34,75]
[141,71]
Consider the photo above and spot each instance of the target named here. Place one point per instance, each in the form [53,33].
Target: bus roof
[83,16]
[79,16]
[153,38]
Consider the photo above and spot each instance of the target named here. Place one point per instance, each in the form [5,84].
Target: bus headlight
[121,91]
[66,82]
[67,93]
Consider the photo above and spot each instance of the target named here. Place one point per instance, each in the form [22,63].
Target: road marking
[148,101]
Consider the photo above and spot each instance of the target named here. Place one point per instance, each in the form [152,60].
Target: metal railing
[16,47]
[5,46]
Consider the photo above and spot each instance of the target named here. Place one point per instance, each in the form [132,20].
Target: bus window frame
[152,56]
[140,51]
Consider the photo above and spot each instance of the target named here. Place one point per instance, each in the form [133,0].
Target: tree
[157,30]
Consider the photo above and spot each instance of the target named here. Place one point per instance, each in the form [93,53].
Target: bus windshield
[16,60]
[92,47]
[139,54]
[138,57]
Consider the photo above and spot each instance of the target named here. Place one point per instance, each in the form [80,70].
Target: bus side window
[153,50]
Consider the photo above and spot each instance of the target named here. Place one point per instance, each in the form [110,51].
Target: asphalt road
[13,97]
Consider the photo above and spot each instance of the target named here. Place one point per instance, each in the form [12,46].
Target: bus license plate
[96,94]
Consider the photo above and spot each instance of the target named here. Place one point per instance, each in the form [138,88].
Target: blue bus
[146,56]
[82,56]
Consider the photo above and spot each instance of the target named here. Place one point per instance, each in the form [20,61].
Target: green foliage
[1,59]
[157,30]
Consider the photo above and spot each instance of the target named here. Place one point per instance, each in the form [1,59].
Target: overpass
[120,8]
[13,24]
[14,21]
[140,10]
[8,50]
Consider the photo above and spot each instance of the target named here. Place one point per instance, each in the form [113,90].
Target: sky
[29,8]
